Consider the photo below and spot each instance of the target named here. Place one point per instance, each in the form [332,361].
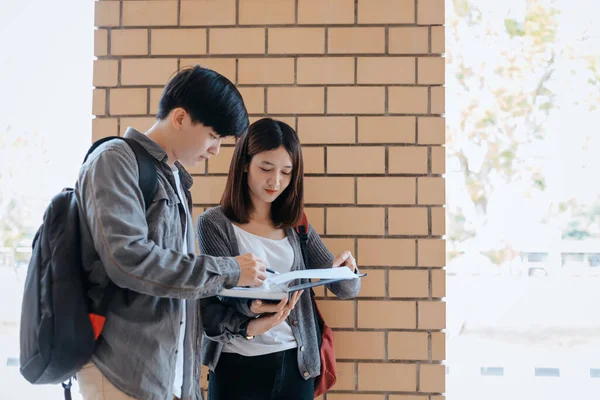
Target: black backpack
[57,337]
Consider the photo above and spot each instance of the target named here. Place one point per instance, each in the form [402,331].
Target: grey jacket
[139,250]
[221,317]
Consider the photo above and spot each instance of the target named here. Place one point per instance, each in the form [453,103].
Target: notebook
[277,286]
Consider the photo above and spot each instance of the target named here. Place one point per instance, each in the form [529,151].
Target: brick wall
[362,83]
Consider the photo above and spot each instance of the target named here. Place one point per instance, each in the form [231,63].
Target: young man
[150,344]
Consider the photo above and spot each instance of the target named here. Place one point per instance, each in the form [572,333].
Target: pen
[272,271]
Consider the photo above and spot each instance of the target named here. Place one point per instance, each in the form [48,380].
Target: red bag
[327,378]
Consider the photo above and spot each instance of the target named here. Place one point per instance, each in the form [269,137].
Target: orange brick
[431,12]
[432,191]
[291,121]
[438,160]
[384,190]
[106,72]
[208,12]
[372,285]
[438,39]
[408,346]
[266,70]
[324,190]
[408,160]
[387,314]
[325,12]
[409,284]
[408,100]
[254,99]
[386,11]
[438,100]
[316,217]
[265,12]
[432,252]
[325,70]
[408,397]
[155,95]
[356,100]
[208,189]
[438,221]
[129,42]
[104,127]
[224,66]
[107,13]
[99,102]
[359,396]
[296,41]
[432,130]
[149,13]
[386,70]
[220,163]
[432,315]
[295,100]
[338,246]
[359,345]
[178,41]
[387,129]
[431,70]
[432,378]
[409,40]
[314,160]
[343,221]
[237,41]
[149,71]
[343,160]
[438,346]
[438,283]
[356,40]
[387,377]
[408,221]
[100,42]
[345,376]
[338,313]
[142,124]
[325,130]
[386,252]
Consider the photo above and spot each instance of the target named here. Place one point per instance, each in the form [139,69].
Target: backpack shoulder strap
[302,230]
[148,180]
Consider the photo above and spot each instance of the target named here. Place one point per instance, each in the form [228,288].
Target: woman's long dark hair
[265,135]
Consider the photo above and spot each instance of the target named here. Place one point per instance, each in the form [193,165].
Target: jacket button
[295,323]
[301,348]
[306,374]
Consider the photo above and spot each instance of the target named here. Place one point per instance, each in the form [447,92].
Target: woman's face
[269,174]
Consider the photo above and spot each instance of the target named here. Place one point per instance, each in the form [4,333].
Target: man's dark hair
[264,135]
[209,98]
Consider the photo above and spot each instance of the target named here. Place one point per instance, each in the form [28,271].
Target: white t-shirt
[279,256]
[178,383]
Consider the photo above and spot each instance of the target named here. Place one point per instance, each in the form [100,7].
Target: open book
[276,286]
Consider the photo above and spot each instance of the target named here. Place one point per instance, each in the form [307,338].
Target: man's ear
[177,117]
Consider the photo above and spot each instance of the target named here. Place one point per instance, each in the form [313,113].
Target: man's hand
[252,270]
[345,260]
[263,324]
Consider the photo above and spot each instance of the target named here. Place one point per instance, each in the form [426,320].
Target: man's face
[195,142]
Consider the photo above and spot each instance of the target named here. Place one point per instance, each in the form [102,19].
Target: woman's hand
[345,260]
[263,324]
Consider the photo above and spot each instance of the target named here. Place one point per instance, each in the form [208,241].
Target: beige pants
[94,386]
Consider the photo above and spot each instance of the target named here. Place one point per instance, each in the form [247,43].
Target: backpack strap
[302,230]
[148,180]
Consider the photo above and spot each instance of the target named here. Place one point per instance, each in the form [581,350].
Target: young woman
[256,350]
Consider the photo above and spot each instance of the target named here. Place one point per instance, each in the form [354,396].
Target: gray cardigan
[221,317]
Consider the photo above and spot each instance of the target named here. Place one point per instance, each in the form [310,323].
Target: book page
[326,273]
